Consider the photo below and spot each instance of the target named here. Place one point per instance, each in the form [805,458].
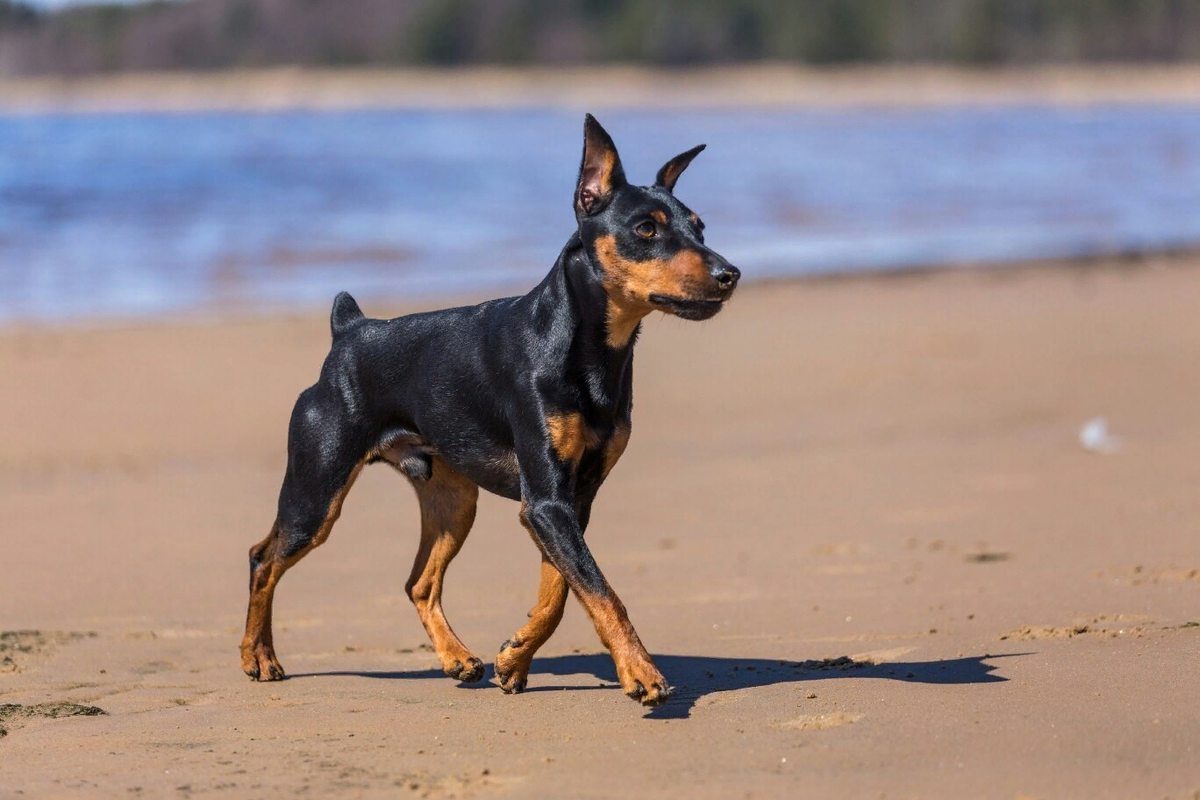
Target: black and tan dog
[528,397]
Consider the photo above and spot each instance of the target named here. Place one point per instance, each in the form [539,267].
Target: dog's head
[648,246]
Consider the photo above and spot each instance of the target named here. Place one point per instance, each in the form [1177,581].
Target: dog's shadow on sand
[694,677]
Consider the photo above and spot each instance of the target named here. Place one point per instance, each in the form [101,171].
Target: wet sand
[854,524]
[780,86]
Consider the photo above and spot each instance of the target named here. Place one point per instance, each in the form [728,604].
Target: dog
[527,397]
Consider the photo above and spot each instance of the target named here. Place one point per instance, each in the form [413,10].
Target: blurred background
[70,36]
[200,155]
[931,532]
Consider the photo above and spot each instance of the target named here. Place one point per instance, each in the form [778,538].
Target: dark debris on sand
[15,644]
[826,664]
[16,712]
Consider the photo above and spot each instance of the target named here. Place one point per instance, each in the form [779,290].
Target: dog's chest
[592,449]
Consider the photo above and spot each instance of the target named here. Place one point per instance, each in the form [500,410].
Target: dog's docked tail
[345,315]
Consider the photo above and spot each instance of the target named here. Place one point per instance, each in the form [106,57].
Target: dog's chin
[686,308]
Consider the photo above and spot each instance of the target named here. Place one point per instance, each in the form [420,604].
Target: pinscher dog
[527,397]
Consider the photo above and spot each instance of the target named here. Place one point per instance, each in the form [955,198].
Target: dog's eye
[646,229]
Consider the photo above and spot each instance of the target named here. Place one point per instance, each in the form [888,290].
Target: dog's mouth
[687,308]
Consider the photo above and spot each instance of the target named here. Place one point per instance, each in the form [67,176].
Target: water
[154,214]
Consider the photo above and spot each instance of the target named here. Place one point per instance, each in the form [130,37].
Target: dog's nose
[726,275]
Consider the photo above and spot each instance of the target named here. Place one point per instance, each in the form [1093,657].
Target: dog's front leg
[549,512]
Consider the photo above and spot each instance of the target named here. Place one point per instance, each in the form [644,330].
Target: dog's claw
[659,695]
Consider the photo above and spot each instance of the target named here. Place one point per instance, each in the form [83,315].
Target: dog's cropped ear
[600,172]
[671,170]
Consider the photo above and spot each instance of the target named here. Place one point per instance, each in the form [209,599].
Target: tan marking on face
[615,447]
[658,217]
[570,436]
[629,285]
[622,322]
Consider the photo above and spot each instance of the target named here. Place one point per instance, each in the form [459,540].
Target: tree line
[217,34]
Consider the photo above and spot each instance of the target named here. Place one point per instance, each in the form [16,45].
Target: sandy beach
[760,86]
[855,525]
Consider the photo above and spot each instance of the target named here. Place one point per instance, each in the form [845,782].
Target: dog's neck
[574,294]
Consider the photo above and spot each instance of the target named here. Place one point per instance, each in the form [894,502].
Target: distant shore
[759,86]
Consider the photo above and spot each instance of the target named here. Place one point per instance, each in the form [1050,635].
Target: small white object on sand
[1095,438]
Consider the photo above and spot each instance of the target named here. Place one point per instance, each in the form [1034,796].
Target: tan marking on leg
[512,664]
[258,648]
[448,502]
[570,436]
[615,447]
[334,511]
[640,679]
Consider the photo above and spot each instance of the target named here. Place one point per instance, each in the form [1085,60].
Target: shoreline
[234,313]
[762,86]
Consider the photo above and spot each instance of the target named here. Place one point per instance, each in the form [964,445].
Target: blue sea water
[155,214]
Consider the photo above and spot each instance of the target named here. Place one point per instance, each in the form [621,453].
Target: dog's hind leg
[324,458]
[447,512]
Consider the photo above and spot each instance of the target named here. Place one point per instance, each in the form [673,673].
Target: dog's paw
[468,672]
[510,683]
[260,663]
[641,680]
[512,670]
[658,693]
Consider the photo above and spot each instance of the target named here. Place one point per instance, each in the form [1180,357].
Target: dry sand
[854,524]
[779,86]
